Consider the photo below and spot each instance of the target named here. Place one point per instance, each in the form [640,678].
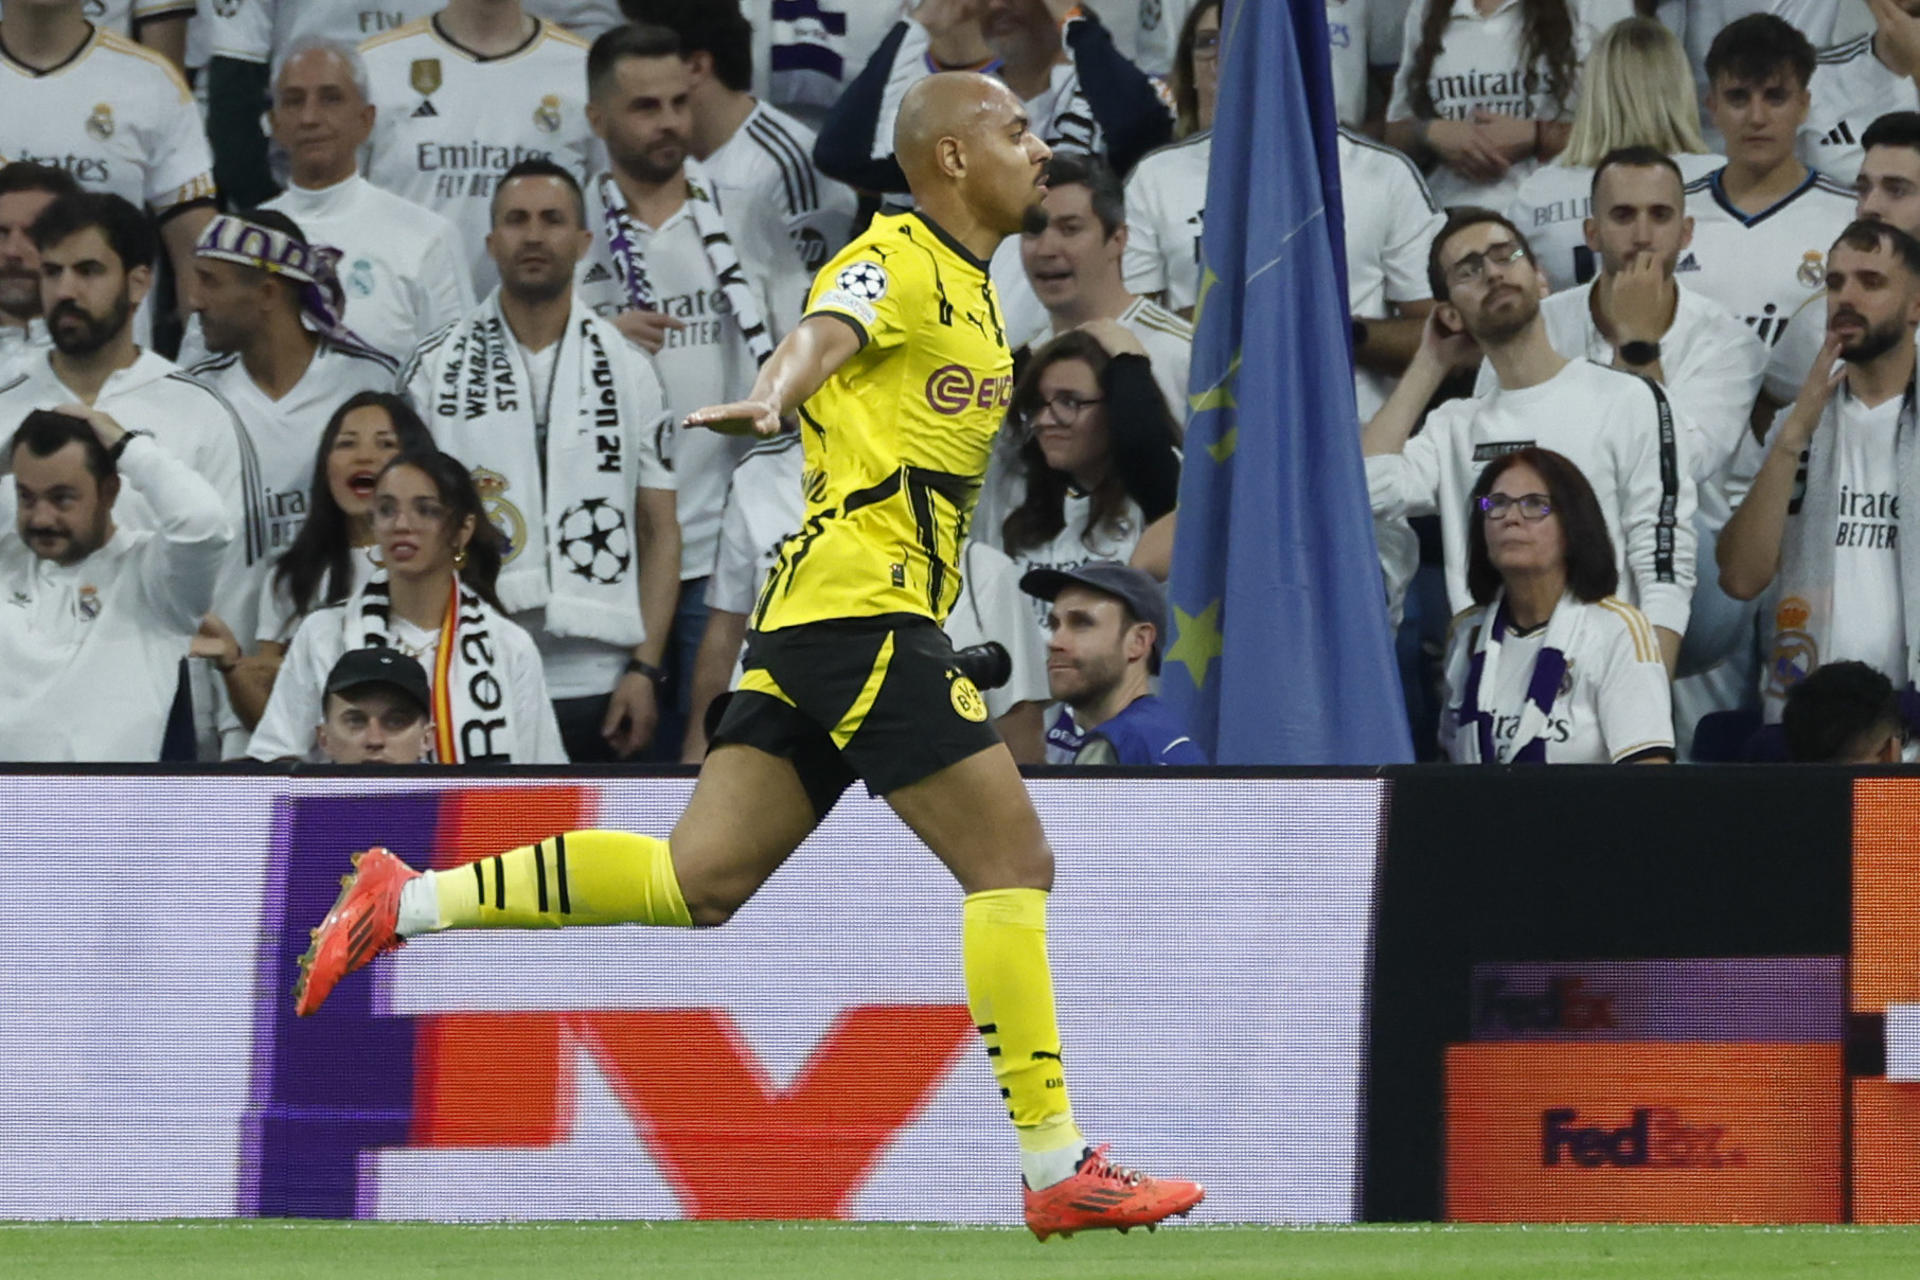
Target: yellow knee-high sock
[582,877]
[1003,945]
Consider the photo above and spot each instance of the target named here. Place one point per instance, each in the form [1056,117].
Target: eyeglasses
[1473,267]
[1533,506]
[1067,407]
[424,510]
[1207,45]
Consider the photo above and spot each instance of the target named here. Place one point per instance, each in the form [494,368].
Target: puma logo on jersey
[424,110]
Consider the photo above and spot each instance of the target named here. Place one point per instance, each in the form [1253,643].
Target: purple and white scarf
[323,299]
[1475,741]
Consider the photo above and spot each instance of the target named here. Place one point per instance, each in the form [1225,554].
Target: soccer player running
[900,374]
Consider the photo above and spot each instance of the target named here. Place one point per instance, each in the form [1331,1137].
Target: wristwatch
[656,674]
[1639,353]
[120,446]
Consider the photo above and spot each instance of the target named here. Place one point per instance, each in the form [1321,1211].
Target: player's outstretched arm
[798,367]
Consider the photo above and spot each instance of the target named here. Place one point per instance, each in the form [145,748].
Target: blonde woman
[1636,92]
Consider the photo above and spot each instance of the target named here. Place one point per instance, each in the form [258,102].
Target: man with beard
[26,188]
[1823,518]
[98,617]
[561,419]
[96,262]
[1621,430]
[707,291]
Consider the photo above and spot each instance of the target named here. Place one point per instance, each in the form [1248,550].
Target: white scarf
[1475,736]
[470,702]
[703,205]
[1803,593]
[570,539]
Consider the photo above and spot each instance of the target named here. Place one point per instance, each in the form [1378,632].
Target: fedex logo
[1652,1138]
[729,1141]
[1567,1004]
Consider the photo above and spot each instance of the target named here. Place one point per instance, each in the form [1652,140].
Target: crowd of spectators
[1633,292]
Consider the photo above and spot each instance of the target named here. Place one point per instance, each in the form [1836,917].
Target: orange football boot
[1103,1194]
[358,927]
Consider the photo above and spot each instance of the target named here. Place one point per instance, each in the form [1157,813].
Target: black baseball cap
[1138,590]
[359,667]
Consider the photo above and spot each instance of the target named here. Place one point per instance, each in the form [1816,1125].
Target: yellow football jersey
[896,441]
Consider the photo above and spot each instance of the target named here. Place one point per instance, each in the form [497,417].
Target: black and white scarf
[471,708]
[703,205]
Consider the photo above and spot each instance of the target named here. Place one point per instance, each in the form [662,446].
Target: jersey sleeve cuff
[859,329]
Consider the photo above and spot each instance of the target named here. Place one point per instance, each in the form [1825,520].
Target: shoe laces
[1096,1165]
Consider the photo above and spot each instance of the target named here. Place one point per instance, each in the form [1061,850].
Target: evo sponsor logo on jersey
[953,388]
[1653,1138]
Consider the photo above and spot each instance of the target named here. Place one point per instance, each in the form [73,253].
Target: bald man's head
[961,135]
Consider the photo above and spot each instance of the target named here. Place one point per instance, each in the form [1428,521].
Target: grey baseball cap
[1138,590]
[359,667]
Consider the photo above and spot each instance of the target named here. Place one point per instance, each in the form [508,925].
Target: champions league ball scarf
[323,299]
[630,264]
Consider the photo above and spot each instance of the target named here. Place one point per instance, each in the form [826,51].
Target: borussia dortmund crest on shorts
[425,76]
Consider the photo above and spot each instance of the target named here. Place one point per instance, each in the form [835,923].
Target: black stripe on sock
[540,872]
[560,871]
[480,882]
[987,1029]
[993,1051]
[500,882]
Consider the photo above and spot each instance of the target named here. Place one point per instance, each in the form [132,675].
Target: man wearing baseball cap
[1107,625]
[376,709]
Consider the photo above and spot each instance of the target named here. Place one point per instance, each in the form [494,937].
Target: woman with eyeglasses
[1549,667]
[1089,456]
[431,596]
[1167,190]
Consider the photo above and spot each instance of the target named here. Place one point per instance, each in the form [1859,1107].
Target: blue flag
[1281,651]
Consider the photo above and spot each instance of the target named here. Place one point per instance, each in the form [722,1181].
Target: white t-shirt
[197,427]
[92,650]
[404,268]
[1869,624]
[1619,429]
[708,362]
[768,164]
[117,115]
[1613,701]
[1851,88]
[261,30]
[1551,207]
[765,507]
[1347,48]
[451,122]
[1478,69]
[1763,267]
[1391,222]
[1166,202]
[287,431]
[286,729]
[1712,364]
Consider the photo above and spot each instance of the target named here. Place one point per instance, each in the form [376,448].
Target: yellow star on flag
[1196,641]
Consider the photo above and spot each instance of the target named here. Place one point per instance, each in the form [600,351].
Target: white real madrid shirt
[1619,429]
[404,268]
[451,122]
[1613,703]
[1712,364]
[197,427]
[765,507]
[92,650]
[286,432]
[1763,266]
[116,115]
[262,30]
[1391,220]
[1851,88]
[1347,50]
[768,163]
[1166,202]
[707,362]
[1553,203]
[1869,622]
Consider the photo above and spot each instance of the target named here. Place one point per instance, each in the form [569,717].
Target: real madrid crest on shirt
[100,123]
[547,117]
[1795,654]
[1813,269]
[505,516]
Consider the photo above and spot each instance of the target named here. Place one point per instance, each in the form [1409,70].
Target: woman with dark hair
[1549,668]
[1090,455]
[432,598]
[332,555]
[1168,188]
[1486,89]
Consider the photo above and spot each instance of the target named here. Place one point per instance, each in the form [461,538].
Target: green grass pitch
[841,1251]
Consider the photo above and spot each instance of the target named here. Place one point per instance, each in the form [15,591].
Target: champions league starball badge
[593,541]
[865,280]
